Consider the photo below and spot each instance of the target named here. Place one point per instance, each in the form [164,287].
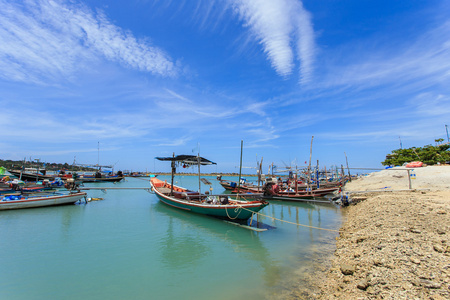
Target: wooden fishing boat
[99,177]
[16,185]
[28,176]
[230,185]
[138,174]
[273,192]
[220,206]
[85,179]
[21,201]
[253,188]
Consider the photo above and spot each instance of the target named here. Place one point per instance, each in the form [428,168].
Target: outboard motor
[70,184]
[271,188]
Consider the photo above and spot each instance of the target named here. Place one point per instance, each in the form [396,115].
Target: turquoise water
[131,246]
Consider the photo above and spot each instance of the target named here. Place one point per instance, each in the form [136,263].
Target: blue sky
[146,78]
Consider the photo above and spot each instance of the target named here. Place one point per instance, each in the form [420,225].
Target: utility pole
[446,129]
[401,146]
[98,154]
[309,166]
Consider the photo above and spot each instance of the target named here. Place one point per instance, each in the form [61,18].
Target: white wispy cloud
[305,44]
[176,142]
[431,104]
[46,40]
[277,25]
[416,64]
[178,96]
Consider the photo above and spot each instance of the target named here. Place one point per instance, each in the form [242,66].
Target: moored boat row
[275,189]
[96,177]
[247,199]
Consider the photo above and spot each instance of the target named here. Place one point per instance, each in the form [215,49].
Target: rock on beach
[393,245]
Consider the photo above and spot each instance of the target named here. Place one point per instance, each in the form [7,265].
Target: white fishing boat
[22,201]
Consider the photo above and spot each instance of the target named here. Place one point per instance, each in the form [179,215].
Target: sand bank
[435,178]
[393,245]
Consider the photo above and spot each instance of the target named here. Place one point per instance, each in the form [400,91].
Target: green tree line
[428,154]
[17,165]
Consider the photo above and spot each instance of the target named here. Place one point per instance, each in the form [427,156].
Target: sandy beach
[434,178]
[394,244]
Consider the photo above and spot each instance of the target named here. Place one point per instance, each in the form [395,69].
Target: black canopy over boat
[188,160]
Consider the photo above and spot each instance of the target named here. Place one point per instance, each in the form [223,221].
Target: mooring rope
[293,223]
[235,210]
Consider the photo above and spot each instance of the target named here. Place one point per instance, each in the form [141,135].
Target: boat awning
[187,159]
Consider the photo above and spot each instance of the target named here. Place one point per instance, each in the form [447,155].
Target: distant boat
[243,187]
[220,206]
[141,175]
[20,201]
[253,188]
[99,177]
[29,176]
[273,191]
[39,176]
[84,179]
[300,196]
[19,186]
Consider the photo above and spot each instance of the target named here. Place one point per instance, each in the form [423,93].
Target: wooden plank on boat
[247,227]
[206,181]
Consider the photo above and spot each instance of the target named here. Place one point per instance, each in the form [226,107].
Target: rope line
[326,229]
[235,210]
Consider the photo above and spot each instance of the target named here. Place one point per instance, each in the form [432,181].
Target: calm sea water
[131,246]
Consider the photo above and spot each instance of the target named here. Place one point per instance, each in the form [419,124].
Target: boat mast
[348,169]
[98,154]
[173,173]
[259,173]
[296,180]
[37,170]
[309,167]
[240,169]
[317,175]
[199,183]
[23,168]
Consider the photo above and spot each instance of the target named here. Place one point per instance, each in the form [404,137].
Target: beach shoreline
[393,245]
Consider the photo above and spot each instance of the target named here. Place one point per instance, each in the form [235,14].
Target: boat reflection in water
[185,248]
[296,213]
